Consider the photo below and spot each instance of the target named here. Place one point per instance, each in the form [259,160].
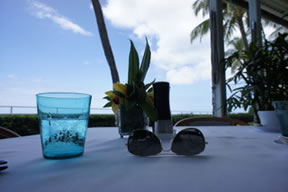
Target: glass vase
[130,119]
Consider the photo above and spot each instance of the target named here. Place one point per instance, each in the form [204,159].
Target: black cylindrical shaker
[164,123]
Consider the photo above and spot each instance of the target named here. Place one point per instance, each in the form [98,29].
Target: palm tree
[105,40]
[234,44]
[233,18]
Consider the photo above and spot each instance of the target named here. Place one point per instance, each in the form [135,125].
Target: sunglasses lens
[189,141]
[143,143]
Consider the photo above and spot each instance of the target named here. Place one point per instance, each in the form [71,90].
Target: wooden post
[255,20]
[217,56]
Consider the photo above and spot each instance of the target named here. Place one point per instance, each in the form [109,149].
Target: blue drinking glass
[63,123]
[281,108]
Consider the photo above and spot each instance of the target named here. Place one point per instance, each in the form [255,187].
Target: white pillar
[255,20]
[255,27]
[217,55]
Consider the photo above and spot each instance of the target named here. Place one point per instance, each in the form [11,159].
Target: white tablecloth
[241,158]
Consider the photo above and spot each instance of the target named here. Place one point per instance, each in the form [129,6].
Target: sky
[54,45]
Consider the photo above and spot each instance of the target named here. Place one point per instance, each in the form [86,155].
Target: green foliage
[178,117]
[135,92]
[245,117]
[133,64]
[232,20]
[145,64]
[29,124]
[136,89]
[200,30]
[21,124]
[101,120]
[137,74]
[261,76]
[201,6]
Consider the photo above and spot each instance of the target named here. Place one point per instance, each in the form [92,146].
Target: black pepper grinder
[163,127]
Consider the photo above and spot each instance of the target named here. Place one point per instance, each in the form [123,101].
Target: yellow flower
[110,94]
[115,108]
[150,98]
[116,100]
[121,88]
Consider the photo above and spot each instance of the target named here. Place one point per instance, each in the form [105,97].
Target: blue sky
[54,45]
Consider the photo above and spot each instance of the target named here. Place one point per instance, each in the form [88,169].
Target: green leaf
[149,110]
[200,30]
[133,64]
[119,94]
[131,91]
[141,94]
[109,104]
[145,63]
[107,97]
[129,103]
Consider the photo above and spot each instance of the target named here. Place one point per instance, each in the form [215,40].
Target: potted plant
[133,100]
[261,77]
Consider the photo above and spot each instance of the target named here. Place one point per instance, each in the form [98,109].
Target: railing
[33,110]
[93,110]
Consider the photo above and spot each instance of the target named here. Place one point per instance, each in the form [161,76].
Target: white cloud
[189,74]
[43,11]
[170,23]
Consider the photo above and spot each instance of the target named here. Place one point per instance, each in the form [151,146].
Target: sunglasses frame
[180,145]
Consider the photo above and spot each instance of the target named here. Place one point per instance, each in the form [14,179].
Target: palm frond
[230,26]
[200,30]
[201,6]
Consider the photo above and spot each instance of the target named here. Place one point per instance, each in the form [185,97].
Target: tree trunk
[242,31]
[105,40]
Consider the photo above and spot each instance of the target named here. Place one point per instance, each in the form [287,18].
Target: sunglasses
[187,142]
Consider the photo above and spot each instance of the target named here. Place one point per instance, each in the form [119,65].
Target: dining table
[235,159]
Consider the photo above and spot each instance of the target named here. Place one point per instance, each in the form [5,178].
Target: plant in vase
[261,76]
[132,101]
